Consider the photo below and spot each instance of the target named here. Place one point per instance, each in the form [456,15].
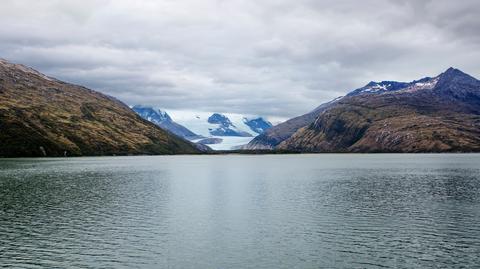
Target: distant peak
[451,71]
[384,83]
[455,74]
[218,115]
[149,111]
[218,118]
[257,124]
[371,83]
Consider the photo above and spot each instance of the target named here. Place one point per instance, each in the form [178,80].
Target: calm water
[276,211]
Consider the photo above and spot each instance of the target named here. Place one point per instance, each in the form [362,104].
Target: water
[272,211]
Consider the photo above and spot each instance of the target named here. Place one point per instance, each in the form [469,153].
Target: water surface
[270,211]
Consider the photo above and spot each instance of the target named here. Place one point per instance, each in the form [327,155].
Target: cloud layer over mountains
[273,57]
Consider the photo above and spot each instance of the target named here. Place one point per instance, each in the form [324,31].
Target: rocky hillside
[440,114]
[41,116]
[273,136]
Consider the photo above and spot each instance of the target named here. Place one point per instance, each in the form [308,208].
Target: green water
[271,211]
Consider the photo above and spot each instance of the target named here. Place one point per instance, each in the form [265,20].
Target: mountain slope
[41,116]
[258,125]
[440,114]
[224,127]
[163,120]
[278,133]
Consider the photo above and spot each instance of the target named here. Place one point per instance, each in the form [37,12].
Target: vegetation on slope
[41,116]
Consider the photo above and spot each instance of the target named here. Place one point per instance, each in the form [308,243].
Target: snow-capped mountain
[432,114]
[273,137]
[377,87]
[163,120]
[389,86]
[153,115]
[224,126]
[230,130]
[258,125]
[225,131]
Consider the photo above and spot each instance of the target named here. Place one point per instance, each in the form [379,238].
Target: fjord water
[241,211]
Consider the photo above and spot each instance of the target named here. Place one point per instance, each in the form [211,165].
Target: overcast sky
[266,57]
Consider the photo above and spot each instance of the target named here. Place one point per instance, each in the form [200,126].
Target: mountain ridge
[439,114]
[457,80]
[228,130]
[43,116]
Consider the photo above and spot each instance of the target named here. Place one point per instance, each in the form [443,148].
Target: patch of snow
[376,88]
[427,85]
[336,99]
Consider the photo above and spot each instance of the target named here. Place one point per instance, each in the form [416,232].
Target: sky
[272,58]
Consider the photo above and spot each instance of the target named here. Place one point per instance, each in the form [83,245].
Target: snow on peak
[198,122]
[379,87]
[376,87]
[257,124]
[394,86]
[423,84]
[149,113]
[217,118]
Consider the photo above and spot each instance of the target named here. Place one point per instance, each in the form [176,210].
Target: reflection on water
[273,211]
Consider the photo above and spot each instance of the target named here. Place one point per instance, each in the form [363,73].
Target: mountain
[231,129]
[439,114]
[42,116]
[162,119]
[218,125]
[378,87]
[258,125]
[224,127]
[278,133]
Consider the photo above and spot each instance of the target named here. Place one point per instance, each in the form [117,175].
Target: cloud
[273,57]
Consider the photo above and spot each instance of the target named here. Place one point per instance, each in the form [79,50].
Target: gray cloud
[272,57]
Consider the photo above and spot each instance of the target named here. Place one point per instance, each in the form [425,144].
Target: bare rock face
[42,116]
[440,114]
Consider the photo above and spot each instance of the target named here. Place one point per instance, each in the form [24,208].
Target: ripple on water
[303,211]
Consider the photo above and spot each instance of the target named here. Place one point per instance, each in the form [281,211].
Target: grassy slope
[38,115]
[423,122]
